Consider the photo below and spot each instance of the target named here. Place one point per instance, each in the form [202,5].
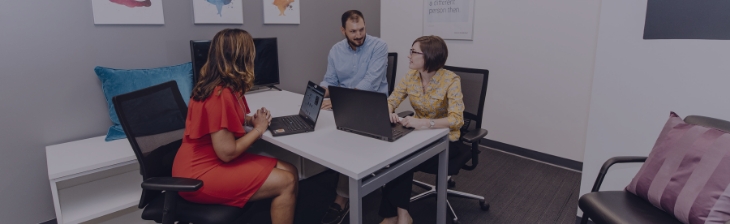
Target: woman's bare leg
[281,185]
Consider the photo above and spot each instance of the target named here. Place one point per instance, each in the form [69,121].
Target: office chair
[154,121]
[474,89]
[623,206]
[391,70]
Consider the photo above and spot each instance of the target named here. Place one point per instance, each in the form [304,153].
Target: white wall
[540,57]
[637,82]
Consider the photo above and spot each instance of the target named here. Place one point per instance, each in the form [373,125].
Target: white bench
[91,178]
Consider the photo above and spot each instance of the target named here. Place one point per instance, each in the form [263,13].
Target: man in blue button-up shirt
[359,61]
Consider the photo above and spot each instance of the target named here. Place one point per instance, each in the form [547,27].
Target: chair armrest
[609,163]
[405,113]
[172,184]
[474,136]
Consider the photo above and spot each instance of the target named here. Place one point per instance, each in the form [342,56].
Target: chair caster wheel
[455,221]
[451,184]
[484,205]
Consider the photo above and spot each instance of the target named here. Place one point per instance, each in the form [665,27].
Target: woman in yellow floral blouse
[435,95]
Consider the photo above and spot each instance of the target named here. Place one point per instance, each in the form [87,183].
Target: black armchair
[474,88]
[154,121]
[623,206]
[391,70]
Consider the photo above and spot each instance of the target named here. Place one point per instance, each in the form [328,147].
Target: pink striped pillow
[687,173]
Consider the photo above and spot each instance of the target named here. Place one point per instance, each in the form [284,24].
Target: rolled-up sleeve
[398,95]
[456,105]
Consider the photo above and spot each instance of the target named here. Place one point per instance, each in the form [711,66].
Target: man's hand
[326,105]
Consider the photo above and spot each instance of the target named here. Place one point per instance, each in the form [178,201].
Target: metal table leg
[355,201]
[441,186]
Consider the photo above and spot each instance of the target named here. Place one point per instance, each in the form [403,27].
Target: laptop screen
[312,102]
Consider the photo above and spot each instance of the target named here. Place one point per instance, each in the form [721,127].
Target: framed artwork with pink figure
[128,12]
[281,11]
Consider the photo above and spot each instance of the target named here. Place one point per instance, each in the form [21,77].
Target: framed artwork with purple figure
[128,12]
[218,11]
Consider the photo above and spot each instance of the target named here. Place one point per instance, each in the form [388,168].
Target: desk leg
[56,201]
[441,186]
[355,202]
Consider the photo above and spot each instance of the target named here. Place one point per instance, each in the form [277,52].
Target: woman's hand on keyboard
[394,118]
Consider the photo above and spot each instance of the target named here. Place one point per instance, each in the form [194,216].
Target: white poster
[218,11]
[128,12]
[281,11]
[449,19]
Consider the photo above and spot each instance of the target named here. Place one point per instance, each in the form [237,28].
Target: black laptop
[365,113]
[307,117]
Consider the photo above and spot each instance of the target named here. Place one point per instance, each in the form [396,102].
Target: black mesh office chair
[623,206]
[391,70]
[474,89]
[154,121]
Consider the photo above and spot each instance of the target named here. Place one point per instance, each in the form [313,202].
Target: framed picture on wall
[218,11]
[449,19]
[281,11]
[128,12]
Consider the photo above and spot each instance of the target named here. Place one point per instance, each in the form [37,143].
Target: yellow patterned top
[442,98]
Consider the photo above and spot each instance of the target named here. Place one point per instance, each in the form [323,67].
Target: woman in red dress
[215,141]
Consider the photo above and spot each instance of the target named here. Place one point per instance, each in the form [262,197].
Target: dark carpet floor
[519,190]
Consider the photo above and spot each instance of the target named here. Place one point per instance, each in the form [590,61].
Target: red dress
[231,183]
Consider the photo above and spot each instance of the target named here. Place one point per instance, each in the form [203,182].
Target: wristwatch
[432,123]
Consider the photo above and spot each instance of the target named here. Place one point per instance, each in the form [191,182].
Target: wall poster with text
[449,19]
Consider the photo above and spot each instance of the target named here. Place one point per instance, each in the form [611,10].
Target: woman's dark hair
[230,64]
[434,51]
[353,15]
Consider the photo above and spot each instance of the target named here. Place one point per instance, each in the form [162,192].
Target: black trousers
[397,193]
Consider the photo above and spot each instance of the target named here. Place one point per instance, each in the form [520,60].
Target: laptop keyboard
[295,123]
[398,132]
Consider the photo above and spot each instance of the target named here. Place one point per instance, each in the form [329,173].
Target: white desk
[354,155]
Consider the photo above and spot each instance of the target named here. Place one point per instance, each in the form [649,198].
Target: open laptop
[365,113]
[307,117]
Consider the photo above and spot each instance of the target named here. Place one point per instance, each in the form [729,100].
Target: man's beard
[352,43]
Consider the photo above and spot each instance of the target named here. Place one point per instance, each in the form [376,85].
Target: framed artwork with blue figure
[218,11]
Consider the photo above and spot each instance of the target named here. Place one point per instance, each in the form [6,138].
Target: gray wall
[540,60]
[50,94]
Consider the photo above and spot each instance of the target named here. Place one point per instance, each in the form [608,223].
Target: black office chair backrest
[474,89]
[154,121]
[391,70]
[722,125]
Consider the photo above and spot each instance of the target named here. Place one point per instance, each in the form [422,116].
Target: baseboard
[577,220]
[52,221]
[532,154]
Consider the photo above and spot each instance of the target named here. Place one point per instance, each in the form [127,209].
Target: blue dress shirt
[363,68]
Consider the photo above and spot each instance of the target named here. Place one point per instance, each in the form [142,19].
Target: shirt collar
[436,77]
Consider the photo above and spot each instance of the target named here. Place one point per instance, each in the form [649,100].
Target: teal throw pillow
[119,81]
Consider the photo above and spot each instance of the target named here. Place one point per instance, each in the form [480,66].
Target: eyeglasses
[416,52]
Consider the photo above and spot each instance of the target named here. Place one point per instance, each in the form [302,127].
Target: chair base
[431,191]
